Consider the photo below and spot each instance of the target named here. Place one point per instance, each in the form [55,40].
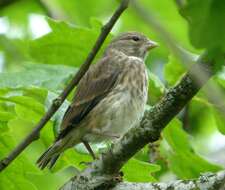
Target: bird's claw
[119,177]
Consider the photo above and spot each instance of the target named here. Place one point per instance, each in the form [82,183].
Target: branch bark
[34,135]
[206,181]
[103,173]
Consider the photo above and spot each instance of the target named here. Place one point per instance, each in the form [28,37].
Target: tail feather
[53,160]
[49,157]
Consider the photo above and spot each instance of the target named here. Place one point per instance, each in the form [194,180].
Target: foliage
[35,70]
[63,41]
[206,25]
[181,155]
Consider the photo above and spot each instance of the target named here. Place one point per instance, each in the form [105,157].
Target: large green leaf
[215,112]
[206,22]
[74,10]
[39,75]
[13,177]
[26,102]
[66,44]
[139,171]
[22,174]
[183,160]
[218,110]
[72,158]
[5,116]
[173,70]
[219,117]
[156,88]
[15,51]
[28,107]
[220,78]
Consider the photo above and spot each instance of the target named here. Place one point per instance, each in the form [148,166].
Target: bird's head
[132,44]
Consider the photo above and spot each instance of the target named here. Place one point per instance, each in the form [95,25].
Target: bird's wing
[92,88]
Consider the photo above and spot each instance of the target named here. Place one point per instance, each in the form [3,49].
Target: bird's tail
[50,156]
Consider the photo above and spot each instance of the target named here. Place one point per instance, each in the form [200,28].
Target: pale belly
[116,118]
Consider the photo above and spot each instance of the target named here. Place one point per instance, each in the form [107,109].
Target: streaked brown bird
[109,100]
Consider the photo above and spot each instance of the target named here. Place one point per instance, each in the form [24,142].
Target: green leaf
[15,51]
[173,70]
[74,9]
[72,158]
[22,122]
[66,44]
[206,22]
[39,75]
[139,171]
[5,116]
[48,180]
[174,131]
[26,102]
[39,94]
[219,117]
[183,160]
[216,112]
[22,174]
[58,116]
[20,127]
[13,177]
[156,88]
[143,154]
[220,78]
[3,127]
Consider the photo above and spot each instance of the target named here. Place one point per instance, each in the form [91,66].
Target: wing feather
[93,87]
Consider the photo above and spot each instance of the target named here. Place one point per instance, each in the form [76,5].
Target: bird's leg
[88,147]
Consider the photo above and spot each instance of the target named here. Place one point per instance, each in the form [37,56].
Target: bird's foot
[118,177]
[89,149]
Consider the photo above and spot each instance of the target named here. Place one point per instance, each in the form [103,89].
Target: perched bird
[109,99]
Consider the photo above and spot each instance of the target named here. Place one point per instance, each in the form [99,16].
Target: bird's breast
[128,100]
[134,78]
[123,107]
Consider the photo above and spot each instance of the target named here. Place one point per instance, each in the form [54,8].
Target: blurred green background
[43,43]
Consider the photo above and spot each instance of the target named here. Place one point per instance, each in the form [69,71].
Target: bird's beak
[151,44]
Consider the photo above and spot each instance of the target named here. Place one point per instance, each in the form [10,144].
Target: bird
[110,98]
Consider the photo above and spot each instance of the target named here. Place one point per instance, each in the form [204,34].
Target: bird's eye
[135,38]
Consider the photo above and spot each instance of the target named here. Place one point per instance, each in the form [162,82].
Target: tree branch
[204,182]
[102,172]
[34,135]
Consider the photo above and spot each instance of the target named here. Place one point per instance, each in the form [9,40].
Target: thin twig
[34,135]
